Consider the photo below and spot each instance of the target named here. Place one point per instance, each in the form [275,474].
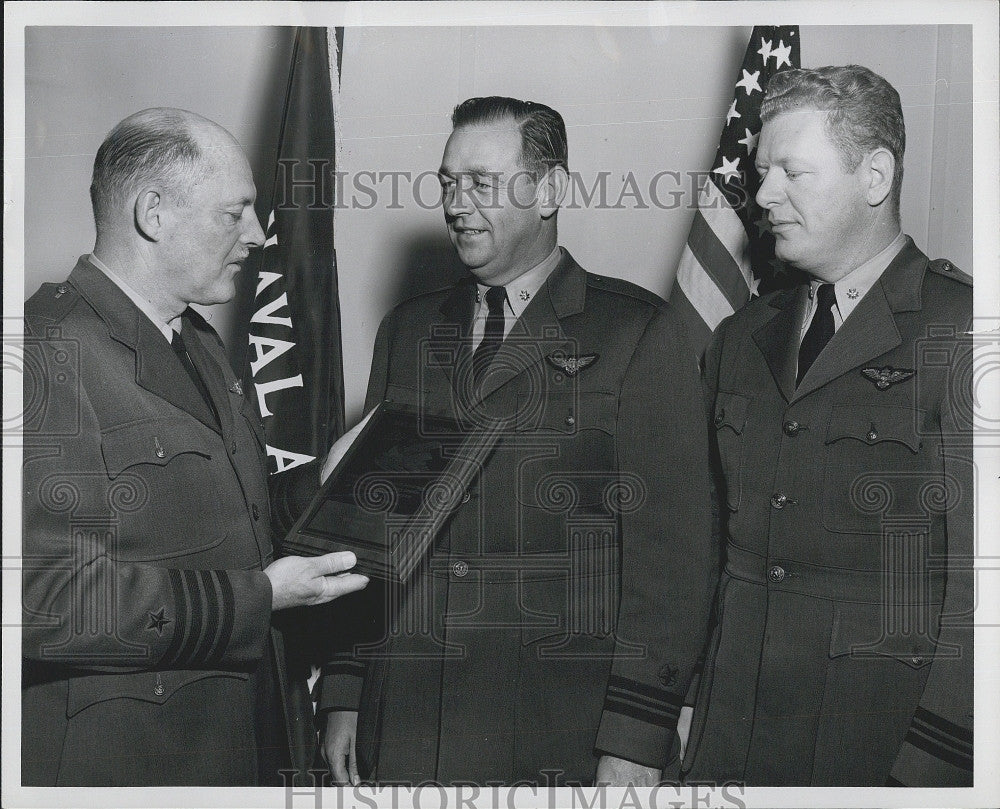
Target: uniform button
[158,690]
[720,417]
[61,290]
[791,428]
[872,434]
[916,660]
[946,266]
[778,500]
[232,448]
[460,569]
[570,421]
[776,573]
[466,497]
[255,511]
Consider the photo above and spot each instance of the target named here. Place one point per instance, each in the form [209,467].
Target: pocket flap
[858,631]
[731,411]
[150,441]
[875,425]
[148,686]
[568,413]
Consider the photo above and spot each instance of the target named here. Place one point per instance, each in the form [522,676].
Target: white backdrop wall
[637,102]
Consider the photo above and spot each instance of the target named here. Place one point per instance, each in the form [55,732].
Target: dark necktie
[177,344]
[820,330]
[492,335]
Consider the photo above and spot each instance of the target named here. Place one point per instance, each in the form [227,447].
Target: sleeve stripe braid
[943,739]
[662,720]
[959,760]
[228,614]
[645,704]
[352,668]
[959,734]
[211,615]
[180,617]
[187,652]
[622,686]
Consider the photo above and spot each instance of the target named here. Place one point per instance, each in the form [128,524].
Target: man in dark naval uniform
[841,409]
[554,630]
[149,580]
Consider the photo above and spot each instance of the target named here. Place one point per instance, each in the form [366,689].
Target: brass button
[158,448]
[872,434]
[779,500]
[466,497]
[158,689]
[570,421]
[460,569]
[791,428]
[255,511]
[232,447]
[776,574]
[720,417]
[916,660]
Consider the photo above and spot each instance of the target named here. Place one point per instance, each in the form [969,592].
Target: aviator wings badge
[571,366]
[884,378]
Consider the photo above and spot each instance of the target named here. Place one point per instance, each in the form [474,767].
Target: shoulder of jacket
[50,304]
[942,266]
[618,286]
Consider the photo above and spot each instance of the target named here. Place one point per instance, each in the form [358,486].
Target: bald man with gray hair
[149,584]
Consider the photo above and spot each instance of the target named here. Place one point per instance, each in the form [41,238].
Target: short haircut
[863,111]
[543,131]
[154,145]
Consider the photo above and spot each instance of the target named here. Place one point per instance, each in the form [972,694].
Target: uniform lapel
[157,369]
[778,341]
[870,330]
[538,332]
[212,375]
[448,346]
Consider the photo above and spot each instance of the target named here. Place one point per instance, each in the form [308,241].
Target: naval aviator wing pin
[884,378]
[572,365]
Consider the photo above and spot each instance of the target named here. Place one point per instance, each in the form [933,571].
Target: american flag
[729,255]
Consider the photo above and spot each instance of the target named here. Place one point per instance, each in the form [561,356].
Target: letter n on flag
[729,255]
[294,353]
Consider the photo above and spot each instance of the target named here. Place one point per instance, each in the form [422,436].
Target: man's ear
[552,190]
[881,168]
[149,212]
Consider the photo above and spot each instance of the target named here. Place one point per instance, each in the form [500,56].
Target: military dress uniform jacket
[146,528]
[563,607]
[843,650]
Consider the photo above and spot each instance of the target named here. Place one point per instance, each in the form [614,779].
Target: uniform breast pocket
[565,467]
[162,489]
[730,419]
[875,468]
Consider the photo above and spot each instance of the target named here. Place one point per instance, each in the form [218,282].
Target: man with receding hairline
[149,579]
[842,424]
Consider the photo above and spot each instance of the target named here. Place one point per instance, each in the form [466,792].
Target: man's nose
[457,200]
[769,193]
[253,233]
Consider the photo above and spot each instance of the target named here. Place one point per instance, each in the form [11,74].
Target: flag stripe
[698,330]
[716,260]
[707,299]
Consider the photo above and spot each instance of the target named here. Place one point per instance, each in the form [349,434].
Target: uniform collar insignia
[571,365]
[236,388]
[884,378]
